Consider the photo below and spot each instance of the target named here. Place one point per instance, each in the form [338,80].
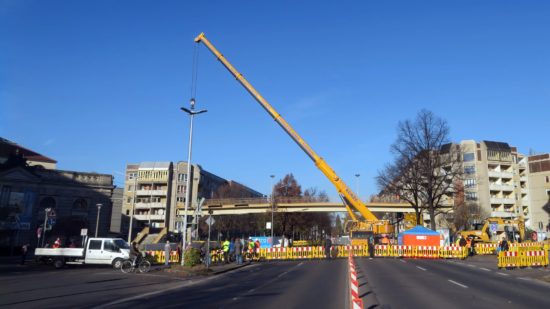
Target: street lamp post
[97,220]
[46,213]
[133,209]
[272,208]
[192,114]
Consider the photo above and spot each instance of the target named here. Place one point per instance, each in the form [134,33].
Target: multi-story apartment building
[539,191]
[147,190]
[157,191]
[494,174]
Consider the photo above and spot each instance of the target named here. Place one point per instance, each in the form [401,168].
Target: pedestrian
[178,250]
[251,248]
[328,245]
[24,251]
[473,247]
[462,242]
[225,247]
[167,250]
[370,247]
[57,243]
[231,249]
[238,251]
[504,245]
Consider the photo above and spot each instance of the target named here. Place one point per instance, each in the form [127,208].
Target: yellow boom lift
[351,201]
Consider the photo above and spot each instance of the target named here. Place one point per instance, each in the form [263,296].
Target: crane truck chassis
[370,223]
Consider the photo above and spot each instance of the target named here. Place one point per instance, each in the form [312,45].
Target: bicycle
[129,265]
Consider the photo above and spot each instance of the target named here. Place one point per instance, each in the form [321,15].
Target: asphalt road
[384,283]
[308,284]
[42,286]
[399,283]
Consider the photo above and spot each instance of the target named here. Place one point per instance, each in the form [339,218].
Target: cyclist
[135,254]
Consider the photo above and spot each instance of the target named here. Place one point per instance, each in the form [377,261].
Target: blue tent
[417,230]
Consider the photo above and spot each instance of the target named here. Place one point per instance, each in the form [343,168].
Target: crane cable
[194,71]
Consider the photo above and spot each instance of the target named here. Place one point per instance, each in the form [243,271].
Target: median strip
[459,284]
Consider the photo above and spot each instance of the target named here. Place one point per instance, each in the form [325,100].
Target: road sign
[51,221]
[52,214]
[83,232]
[493,227]
[210,220]
[268,225]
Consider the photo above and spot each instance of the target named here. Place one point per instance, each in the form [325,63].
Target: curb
[230,269]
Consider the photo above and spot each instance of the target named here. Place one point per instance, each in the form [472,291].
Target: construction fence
[524,255]
[421,252]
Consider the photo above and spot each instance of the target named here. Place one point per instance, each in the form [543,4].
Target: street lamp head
[192,103]
[99,205]
[357,175]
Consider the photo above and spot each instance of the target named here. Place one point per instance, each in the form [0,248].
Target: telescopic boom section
[349,197]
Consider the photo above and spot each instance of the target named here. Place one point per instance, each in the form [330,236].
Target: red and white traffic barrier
[356,302]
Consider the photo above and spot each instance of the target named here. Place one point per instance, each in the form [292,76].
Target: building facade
[30,185]
[156,192]
[539,191]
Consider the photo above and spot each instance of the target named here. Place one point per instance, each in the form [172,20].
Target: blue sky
[98,84]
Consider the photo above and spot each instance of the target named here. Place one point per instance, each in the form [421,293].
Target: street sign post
[209,221]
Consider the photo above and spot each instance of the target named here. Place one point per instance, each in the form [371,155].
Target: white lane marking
[235,298]
[251,290]
[459,284]
[471,265]
[403,261]
[424,269]
[282,274]
[485,269]
[503,274]
[300,264]
[523,278]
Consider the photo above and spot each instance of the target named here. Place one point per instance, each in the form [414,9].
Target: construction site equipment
[351,201]
[493,229]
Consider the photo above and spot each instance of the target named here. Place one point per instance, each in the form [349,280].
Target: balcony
[500,187]
[149,217]
[503,214]
[149,205]
[499,200]
[523,178]
[151,192]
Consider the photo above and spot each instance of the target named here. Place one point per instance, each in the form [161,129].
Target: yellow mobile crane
[351,201]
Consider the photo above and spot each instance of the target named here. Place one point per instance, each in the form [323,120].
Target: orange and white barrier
[356,302]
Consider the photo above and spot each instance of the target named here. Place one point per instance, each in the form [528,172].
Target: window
[5,196]
[108,245]
[182,177]
[469,183]
[95,245]
[547,179]
[469,169]
[127,212]
[129,200]
[130,188]
[469,156]
[132,175]
[471,196]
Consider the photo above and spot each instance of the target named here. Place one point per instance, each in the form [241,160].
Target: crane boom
[349,197]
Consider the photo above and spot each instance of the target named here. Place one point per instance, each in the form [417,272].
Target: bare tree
[426,165]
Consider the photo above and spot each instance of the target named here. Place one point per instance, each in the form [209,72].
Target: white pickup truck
[108,251]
